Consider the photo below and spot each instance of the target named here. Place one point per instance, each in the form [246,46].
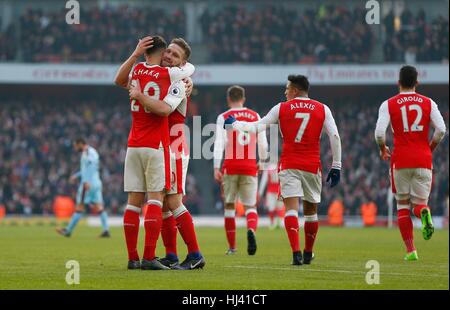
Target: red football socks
[292,227]
[252,219]
[311,228]
[418,209]
[406,228]
[185,225]
[169,234]
[152,224]
[230,228]
[131,228]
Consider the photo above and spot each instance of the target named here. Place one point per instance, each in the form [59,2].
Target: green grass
[34,257]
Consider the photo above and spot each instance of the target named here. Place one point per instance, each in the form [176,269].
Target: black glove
[228,124]
[334,175]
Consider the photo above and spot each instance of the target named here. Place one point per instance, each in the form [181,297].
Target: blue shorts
[92,196]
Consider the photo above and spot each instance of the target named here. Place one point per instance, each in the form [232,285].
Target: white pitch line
[340,271]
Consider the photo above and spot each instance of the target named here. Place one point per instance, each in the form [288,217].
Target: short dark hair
[80,141]
[408,76]
[236,93]
[184,46]
[299,81]
[158,44]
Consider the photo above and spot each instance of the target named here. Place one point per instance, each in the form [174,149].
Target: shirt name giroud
[409,98]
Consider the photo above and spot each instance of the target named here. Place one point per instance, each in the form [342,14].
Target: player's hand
[72,179]
[228,124]
[143,44]
[135,90]
[86,186]
[385,154]
[189,86]
[218,176]
[334,176]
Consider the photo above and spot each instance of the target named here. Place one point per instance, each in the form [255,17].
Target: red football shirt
[240,147]
[149,129]
[301,121]
[410,120]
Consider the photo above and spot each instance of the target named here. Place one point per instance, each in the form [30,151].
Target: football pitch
[34,257]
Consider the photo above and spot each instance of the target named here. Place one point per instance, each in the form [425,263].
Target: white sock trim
[179,211]
[133,208]
[154,202]
[291,213]
[166,215]
[311,218]
[251,210]
[229,213]
[401,207]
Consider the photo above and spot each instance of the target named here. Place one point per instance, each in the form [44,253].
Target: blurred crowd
[234,34]
[104,35]
[415,38]
[37,157]
[279,34]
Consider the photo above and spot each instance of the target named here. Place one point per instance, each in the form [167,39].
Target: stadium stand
[233,34]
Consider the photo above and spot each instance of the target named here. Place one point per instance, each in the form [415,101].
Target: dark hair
[236,93]
[299,81]
[158,44]
[408,77]
[184,46]
[80,141]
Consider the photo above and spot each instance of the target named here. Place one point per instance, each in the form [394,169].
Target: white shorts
[246,186]
[413,184]
[179,168]
[144,170]
[273,202]
[298,183]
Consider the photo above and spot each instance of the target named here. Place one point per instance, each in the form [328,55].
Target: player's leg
[155,176]
[230,192]
[131,223]
[96,200]
[134,185]
[100,210]
[77,215]
[312,189]
[185,223]
[401,179]
[420,191]
[247,189]
[310,229]
[291,190]
[169,236]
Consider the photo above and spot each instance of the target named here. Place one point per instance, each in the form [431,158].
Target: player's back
[149,129]
[301,121]
[410,120]
[240,147]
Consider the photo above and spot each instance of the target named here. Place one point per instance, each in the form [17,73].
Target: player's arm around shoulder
[180,73]
[175,95]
